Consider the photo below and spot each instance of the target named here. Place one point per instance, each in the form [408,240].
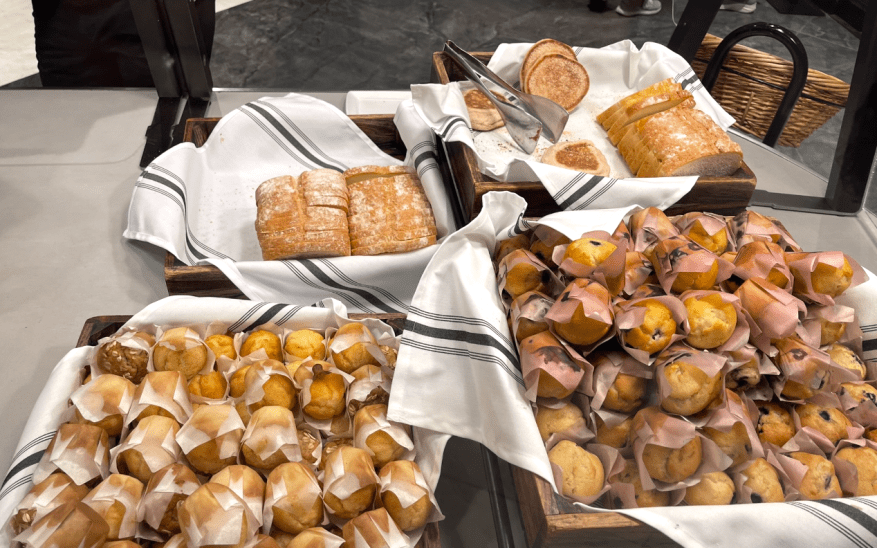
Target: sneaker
[649,7]
[742,7]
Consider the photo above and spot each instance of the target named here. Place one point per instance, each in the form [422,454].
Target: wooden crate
[209,281]
[723,195]
[99,327]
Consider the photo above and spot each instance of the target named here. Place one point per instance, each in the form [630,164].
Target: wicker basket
[751,85]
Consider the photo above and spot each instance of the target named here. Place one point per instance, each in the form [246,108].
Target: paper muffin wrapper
[266,437]
[228,433]
[175,402]
[805,365]
[80,451]
[92,403]
[680,255]
[341,484]
[847,472]
[92,536]
[593,308]
[637,273]
[223,525]
[118,488]
[379,422]
[757,259]
[194,337]
[794,472]
[384,526]
[749,226]
[609,273]
[648,227]
[162,488]
[711,364]
[340,343]
[628,316]
[278,496]
[127,338]
[711,223]
[804,265]
[740,336]
[580,434]
[771,312]
[607,366]
[409,492]
[551,283]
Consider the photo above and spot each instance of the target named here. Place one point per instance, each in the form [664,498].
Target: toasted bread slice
[483,114]
[664,86]
[535,53]
[560,79]
[577,155]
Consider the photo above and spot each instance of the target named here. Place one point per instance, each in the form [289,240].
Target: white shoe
[742,7]
[649,7]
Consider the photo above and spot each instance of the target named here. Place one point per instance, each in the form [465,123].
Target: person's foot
[742,7]
[649,7]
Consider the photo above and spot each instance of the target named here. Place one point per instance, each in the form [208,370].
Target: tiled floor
[326,46]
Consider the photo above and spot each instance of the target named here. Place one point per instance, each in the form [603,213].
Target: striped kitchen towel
[615,71]
[468,383]
[199,203]
[236,315]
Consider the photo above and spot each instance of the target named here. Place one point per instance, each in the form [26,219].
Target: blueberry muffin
[764,481]
[775,424]
[711,320]
[626,394]
[745,375]
[830,421]
[673,465]
[656,331]
[847,358]
[713,488]
[820,480]
[865,461]
[585,329]
[859,392]
[583,474]
[645,498]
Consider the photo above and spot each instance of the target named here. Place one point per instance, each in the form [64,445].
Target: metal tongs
[526,116]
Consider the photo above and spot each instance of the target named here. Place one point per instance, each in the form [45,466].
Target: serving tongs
[526,116]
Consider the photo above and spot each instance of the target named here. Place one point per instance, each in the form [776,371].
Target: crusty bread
[483,114]
[664,86]
[558,78]
[577,155]
[646,107]
[535,53]
[389,213]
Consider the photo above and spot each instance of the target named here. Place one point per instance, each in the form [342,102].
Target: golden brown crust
[577,155]
[560,79]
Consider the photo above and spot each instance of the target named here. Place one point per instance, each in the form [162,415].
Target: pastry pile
[696,359]
[369,210]
[193,436]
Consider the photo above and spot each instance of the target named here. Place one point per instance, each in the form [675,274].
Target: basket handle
[796,84]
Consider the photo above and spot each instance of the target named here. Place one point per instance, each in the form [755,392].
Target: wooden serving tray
[99,327]
[209,281]
[722,195]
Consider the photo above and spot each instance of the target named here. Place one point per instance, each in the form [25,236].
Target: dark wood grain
[723,195]
[209,281]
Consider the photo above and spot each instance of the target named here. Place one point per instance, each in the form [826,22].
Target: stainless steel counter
[68,163]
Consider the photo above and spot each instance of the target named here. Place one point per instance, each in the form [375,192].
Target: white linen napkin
[199,203]
[237,315]
[461,343]
[615,71]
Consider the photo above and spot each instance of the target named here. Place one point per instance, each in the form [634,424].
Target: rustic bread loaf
[664,86]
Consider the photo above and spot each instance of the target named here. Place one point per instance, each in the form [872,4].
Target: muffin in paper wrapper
[707,229]
[126,354]
[79,450]
[214,515]
[506,246]
[339,423]
[613,429]
[72,523]
[622,495]
[745,493]
[651,426]
[185,340]
[310,443]
[826,324]
[371,385]
[293,489]
[219,425]
[859,405]
[521,271]
[341,482]
[748,226]
[771,312]
[649,226]
[527,314]
[104,401]
[151,446]
[372,421]
[165,390]
[807,436]
[682,264]
[760,259]
[167,487]
[317,537]
[848,473]
[608,365]
[629,316]
[672,397]
[544,354]
[45,496]
[374,528]
[271,436]
[796,471]
[582,315]
[609,273]
[348,337]
[805,370]
[823,275]
[116,491]
[725,418]
[246,483]
[612,463]
[404,483]
[740,336]
[577,433]
[256,351]
[271,373]
[747,369]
